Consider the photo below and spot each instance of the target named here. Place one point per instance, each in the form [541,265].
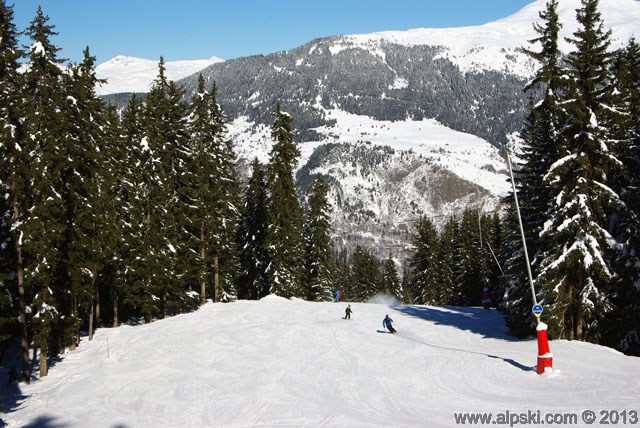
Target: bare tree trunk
[91,315]
[24,333]
[97,302]
[216,280]
[44,370]
[203,281]
[116,321]
[75,337]
[163,306]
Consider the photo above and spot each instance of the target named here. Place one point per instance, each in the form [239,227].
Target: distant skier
[386,322]
[338,295]
[347,313]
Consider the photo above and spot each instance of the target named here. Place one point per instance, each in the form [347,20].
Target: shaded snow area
[277,362]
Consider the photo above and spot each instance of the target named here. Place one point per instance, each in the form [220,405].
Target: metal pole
[524,242]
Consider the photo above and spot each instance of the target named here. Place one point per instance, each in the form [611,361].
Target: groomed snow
[277,362]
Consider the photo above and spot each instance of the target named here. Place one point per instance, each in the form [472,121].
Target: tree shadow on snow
[11,395]
[489,324]
[44,422]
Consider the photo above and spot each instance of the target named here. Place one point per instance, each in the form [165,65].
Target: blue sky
[199,29]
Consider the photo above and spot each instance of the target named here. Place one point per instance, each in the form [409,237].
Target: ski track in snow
[294,363]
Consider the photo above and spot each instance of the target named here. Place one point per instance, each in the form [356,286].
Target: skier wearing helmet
[386,322]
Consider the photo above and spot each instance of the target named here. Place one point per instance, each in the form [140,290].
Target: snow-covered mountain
[129,74]
[497,45]
[293,363]
[492,46]
[401,123]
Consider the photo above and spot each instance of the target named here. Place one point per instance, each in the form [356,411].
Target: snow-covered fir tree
[284,237]
[623,326]
[317,244]
[365,276]
[14,190]
[577,272]
[471,275]
[163,281]
[134,170]
[391,284]
[542,140]
[448,245]
[252,237]
[46,227]
[214,200]
[111,208]
[86,194]
[425,281]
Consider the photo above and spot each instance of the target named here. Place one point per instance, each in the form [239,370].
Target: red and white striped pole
[545,357]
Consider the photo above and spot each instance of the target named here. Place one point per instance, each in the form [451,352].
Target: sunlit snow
[277,362]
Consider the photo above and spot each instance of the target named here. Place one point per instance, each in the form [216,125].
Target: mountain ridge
[490,46]
[365,99]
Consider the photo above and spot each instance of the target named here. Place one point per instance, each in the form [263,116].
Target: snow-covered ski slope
[293,363]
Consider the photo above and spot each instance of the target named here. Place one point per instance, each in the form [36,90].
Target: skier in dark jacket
[386,322]
[347,313]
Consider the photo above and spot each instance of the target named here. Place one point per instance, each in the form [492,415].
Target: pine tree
[518,299]
[542,142]
[215,199]
[390,281]
[317,241]
[285,214]
[134,167]
[46,228]
[84,131]
[14,189]
[365,275]
[623,329]
[340,278]
[252,238]
[162,284]
[541,135]
[112,212]
[576,271]
[448,271]
[490,241]
[471,278]
[425,278]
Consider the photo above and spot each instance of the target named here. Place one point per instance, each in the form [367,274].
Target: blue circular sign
[537,310]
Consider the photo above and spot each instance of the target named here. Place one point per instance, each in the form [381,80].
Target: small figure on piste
[347,313]
[386,322]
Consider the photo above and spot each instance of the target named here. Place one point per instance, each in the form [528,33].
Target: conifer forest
[111,216]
